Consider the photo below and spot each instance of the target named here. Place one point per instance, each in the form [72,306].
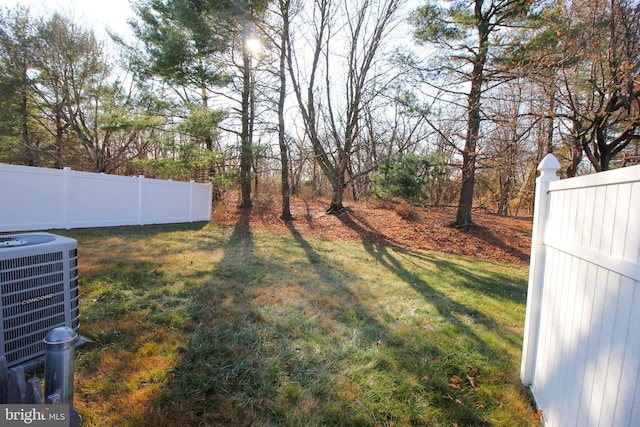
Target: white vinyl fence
[39,199]
[581,352]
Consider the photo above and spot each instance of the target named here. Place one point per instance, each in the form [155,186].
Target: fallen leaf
[455,382]
[537,415]
[458,401]
[473,384]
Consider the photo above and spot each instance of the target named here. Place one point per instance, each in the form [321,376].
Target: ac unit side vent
[38,292]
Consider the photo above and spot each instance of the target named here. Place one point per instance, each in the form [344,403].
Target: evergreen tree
[468,34]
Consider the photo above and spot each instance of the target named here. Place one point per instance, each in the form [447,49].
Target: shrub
[406,211]
[403,176]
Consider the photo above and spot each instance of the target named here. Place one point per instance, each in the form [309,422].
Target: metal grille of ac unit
[38,292]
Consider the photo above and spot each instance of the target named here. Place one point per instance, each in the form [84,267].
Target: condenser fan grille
[39,291]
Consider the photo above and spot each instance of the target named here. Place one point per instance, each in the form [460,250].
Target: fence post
[548,168]
[192,186]
[66,197]
[140,199]
[58,364]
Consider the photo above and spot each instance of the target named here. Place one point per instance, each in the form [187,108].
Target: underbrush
[200,325]
[407,211]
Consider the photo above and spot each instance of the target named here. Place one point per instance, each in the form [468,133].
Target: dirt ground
[497,238]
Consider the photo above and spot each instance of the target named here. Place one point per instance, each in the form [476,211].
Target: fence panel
[580,355]
[165,201]
[23,193]
[95,200]
[40,199]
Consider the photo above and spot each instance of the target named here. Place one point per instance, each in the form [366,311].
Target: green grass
[200,325]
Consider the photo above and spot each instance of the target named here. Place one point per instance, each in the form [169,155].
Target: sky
[97,14]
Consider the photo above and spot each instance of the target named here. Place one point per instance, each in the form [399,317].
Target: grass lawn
[200,325]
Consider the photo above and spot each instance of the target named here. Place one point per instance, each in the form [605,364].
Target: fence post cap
[548,168]
[60,338]
[549,163]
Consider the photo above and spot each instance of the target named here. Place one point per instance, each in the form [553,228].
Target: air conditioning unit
[38,292]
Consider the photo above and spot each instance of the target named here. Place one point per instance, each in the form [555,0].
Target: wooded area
[441,103]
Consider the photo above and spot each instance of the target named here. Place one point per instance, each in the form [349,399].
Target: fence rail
[40,198]
[580,351]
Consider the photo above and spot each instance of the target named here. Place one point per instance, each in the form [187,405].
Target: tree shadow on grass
[498,285]
[454,311]
[270,349]
[253,343]
[394,358]
[491,239]
[261,340]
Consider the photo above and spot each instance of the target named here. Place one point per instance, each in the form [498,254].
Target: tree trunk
[245,137]
[463,217]
[337,194]
[284,153]
[25,133]
[285,188]
[60,127]
[465,203]
[575,150]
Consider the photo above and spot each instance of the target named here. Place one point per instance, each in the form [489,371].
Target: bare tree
[346,47]
[284,12]
[512,116]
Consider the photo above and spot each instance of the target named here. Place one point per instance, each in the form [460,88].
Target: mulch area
[497,238]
